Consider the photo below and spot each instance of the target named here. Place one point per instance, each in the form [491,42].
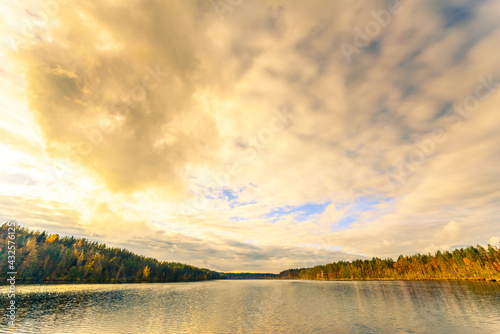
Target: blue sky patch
[361,205]
[303,212]
[445,108]
[457,15]
[229,194]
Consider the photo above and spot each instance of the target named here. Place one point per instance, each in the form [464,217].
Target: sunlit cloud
[259,136]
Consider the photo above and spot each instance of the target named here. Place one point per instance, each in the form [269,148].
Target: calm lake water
[258,306]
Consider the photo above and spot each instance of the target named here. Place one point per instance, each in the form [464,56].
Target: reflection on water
[258,306]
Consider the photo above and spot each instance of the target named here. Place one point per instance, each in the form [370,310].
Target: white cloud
[211,121]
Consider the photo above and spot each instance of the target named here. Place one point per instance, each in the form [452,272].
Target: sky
[255,136]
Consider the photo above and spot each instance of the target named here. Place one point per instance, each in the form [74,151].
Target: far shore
[474,279]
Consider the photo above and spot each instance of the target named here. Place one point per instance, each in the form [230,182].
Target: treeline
[465,263]
[247,276]
[44,258]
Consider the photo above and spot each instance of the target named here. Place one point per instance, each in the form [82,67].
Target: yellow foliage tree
[52,238]
[145,273]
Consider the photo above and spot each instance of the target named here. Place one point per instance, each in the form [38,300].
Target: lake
[259,306]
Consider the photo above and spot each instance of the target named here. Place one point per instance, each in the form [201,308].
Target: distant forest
[44,258]
[248,276]
[49,258]
[476,263]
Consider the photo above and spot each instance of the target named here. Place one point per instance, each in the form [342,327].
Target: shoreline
[400,279]
[478,279]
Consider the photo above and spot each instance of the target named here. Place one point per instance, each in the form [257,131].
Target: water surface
[258,306]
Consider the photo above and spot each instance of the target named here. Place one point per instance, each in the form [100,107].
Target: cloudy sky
[257,135]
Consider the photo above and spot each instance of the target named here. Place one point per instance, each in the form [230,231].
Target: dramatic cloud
[120,88]
[254,135]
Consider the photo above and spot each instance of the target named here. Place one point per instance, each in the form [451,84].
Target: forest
[473,263]
[49,258]
[44,258]
[248,276]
